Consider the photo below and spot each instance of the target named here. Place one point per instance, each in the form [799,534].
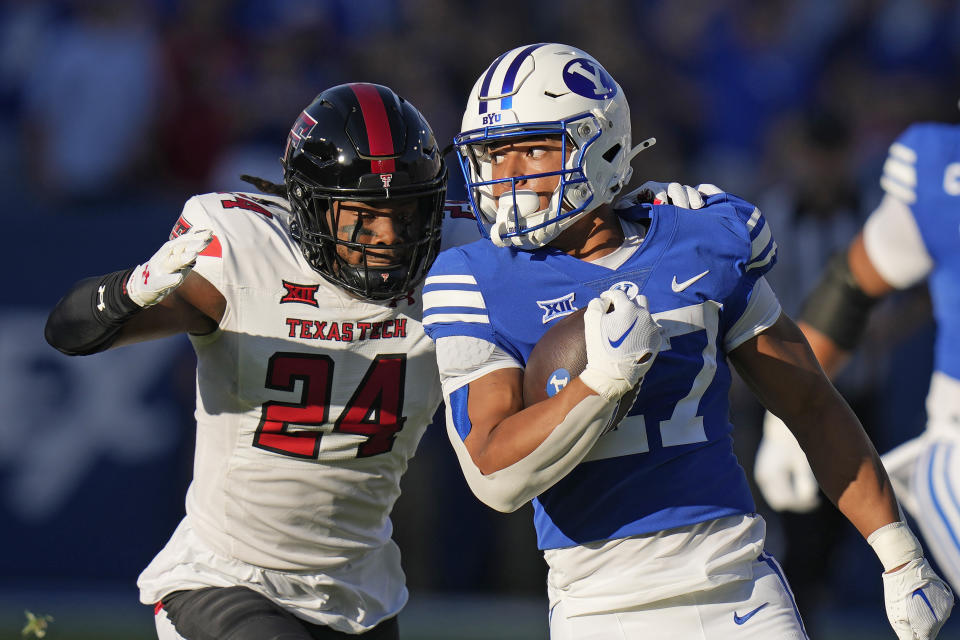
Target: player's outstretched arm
[158,298]
[834,317]
[512,453]
[782,371]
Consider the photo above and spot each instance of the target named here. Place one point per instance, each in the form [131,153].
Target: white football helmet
[544,90]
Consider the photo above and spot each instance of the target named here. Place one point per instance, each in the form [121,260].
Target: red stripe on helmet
[379,136]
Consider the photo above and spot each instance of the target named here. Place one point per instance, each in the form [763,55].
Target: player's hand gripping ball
[561,355]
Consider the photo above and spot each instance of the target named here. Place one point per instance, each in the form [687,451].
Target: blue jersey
[670,463]
[932,151]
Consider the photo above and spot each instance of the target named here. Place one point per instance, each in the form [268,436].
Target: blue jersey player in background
[648,528]
[913,235]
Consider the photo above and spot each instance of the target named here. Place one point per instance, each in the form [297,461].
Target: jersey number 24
[294,428]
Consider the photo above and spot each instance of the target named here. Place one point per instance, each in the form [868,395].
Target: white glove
[918,601]
[152,281]
[680,195]
[782,471]
[622,341]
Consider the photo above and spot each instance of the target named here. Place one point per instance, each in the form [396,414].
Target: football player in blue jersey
[647,526]
[913,235]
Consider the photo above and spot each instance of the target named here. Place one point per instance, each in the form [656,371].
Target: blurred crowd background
[113,112]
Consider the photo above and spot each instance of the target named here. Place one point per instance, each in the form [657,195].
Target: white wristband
[895,545]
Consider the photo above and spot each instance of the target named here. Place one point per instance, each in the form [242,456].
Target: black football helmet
[362,142]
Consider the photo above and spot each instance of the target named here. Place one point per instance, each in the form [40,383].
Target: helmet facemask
[335,242]
[515,217]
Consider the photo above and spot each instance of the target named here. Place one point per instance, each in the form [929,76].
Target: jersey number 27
[684,426]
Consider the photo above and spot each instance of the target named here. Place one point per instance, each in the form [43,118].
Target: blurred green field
[102,616]
[427,617]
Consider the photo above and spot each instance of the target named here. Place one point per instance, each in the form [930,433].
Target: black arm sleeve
[88,318]
[838,307]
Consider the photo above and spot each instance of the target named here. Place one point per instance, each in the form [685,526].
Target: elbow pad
[88,319]
[510,488]
[838,307]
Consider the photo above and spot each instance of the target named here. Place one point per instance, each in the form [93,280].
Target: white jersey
[310,402]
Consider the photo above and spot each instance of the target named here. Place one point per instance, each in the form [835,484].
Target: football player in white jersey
[315,380]
[648,528]
[913,235]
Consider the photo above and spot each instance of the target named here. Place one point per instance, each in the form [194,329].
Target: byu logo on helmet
[588,79]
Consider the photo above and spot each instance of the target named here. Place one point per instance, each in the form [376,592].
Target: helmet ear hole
[612,152]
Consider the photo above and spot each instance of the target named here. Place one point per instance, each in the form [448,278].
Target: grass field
[113,616]
[108,616]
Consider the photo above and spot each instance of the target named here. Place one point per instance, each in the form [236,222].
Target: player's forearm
[846,464]
[97,314]
[781,369]
[868,502]
[517,435]
[513,485]
[89,317]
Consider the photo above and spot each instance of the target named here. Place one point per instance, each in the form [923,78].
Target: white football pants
[758,609]
[925,473]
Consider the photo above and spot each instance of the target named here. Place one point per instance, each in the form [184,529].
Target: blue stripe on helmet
[508,80]
[486,81]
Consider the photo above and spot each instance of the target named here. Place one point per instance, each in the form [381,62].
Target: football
[558,357]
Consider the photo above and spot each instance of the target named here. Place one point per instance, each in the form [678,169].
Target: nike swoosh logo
[680,286]
[741,619]
[920,594]
[616,343]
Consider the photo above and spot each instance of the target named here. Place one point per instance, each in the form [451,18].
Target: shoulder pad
[746,221]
